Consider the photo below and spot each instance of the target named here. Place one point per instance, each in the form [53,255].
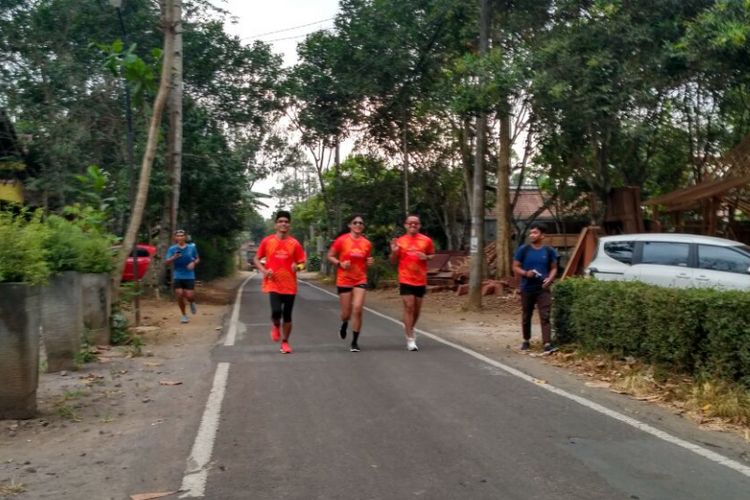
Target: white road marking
[707,454]
[196,472]
[232,333]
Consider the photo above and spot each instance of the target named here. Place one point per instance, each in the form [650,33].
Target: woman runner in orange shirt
[351,253]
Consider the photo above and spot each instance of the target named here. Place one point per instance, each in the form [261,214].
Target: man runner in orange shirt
[350,252]
[283,256]
[411,252]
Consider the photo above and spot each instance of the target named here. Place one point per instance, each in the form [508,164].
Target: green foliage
[217,257]
[70,248]
[23,256]
[381,270]
[313,263]
[698,331]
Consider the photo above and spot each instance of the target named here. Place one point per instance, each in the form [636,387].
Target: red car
[145,254]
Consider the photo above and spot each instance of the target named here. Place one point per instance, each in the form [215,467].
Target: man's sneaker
[193,309]
[286,348]
[355,347]
[275,333]
[342,330]
[411,344]
[184,319]
[549,349]
[525,345]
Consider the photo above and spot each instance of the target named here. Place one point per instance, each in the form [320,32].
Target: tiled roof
[529,201]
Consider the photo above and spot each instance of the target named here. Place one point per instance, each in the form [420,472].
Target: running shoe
[411,344]
[286,348]
[275,333]
[342,330]
[355,347]
[184,319]
[193,309]
[549,348]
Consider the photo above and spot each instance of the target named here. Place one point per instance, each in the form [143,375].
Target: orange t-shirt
[356,251]
[411,269]
[281,256]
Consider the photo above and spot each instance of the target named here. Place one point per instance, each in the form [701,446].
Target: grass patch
[11,488]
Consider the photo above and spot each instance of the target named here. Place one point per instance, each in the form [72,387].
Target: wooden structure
[715,200]
[583,253]
[624,213]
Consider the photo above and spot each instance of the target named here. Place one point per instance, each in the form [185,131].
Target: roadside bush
[23,257]
[217,258]
[697,331]
[70,248]
[313,263]
[382,269]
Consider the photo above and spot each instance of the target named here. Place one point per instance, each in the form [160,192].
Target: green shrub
[71,248]
[217,258]
[697,331]
[23,257]
[381,269]
[313,263]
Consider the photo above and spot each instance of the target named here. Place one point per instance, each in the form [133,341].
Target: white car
[673,260]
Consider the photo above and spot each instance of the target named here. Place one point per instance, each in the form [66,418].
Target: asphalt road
[385,423]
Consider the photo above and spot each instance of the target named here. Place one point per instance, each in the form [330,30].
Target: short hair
[538,226]
[283,213]
[354,216]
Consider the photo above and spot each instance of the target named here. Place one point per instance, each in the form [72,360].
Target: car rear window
[620,250]
[665,253]
[722,259]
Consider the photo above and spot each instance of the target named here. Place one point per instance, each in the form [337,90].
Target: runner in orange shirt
[350,252]
[411,252]
[283,257]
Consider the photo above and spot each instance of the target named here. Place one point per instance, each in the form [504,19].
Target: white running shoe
[411,344]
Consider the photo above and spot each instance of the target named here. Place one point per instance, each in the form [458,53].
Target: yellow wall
[11,191]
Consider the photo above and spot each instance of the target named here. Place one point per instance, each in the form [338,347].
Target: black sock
[342,330]
[355,336]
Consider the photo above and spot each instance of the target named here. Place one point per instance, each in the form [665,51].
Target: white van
[675,260]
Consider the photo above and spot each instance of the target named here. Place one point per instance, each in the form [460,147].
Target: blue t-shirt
[540,259]
[180,270]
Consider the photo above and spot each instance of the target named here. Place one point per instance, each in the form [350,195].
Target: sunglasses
[358,223]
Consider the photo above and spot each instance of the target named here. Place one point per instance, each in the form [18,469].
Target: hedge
[696,331]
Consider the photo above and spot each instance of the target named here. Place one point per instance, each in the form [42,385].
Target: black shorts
[184,284]
[347,289]
[417,291]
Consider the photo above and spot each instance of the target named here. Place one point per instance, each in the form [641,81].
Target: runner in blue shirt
[183,257]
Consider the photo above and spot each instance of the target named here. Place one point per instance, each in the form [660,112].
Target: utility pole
[476,263]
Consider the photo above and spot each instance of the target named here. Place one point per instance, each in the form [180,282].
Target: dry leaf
[150,496]
[170,382]
[603,385]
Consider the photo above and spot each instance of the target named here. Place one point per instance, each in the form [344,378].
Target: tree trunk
[174,151]
[476,266]
[153,139]
[502,207]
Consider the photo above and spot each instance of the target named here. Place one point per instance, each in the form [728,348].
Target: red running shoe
[286,348]
[275,333]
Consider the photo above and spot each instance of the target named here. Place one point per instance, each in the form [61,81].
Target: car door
[724,268]
[663,263]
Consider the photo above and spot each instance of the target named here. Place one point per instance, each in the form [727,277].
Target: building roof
[528,202]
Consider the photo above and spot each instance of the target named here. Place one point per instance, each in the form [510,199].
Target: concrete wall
[62,320]
[96,296]
[19,349]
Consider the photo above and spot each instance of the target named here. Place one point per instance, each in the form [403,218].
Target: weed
[67,412]
[11,488]
[721,399]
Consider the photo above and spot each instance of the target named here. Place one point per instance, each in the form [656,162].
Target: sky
[282,24]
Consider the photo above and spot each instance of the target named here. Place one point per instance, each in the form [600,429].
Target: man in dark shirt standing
[536,264]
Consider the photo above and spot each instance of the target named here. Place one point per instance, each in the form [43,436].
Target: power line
[295,37]
[290,29]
